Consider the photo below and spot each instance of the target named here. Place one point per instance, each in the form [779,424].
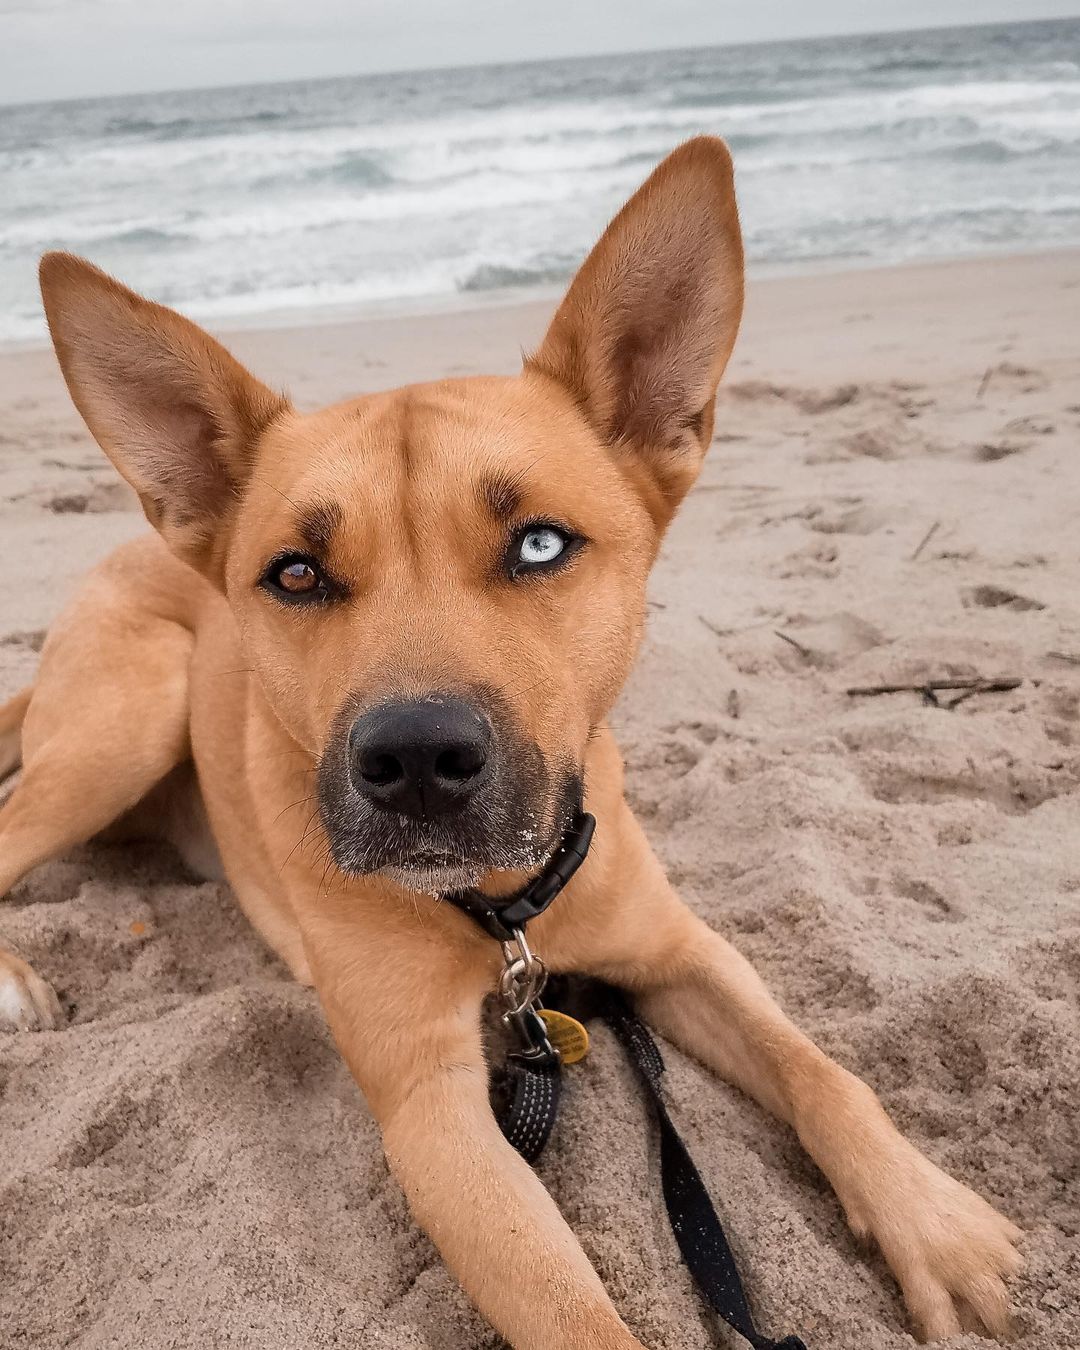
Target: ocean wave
[502,276]
[451,183]
[908,65]
[352,169]
[471,197]
[432,280]
[63,231]
[144,236]
[997,151]
[548,137]
[186,127]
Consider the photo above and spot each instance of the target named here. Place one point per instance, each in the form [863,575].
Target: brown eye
[296,577]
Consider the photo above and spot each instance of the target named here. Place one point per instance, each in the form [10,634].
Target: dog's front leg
[496,1226]
[408,1023]
[949,1250]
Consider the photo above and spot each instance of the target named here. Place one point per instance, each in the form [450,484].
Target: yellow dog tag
[566,1034]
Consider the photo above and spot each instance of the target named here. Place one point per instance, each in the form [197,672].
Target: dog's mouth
[434,874]
[433,859]
[433,871]
[442,871]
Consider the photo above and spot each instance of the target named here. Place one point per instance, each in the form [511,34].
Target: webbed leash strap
[694,1221]
[533,1107]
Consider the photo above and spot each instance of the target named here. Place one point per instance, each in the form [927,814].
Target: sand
[894,488]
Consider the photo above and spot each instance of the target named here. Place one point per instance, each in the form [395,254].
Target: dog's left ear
[645,331]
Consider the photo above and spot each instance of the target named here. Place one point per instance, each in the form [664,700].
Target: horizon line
[6,106]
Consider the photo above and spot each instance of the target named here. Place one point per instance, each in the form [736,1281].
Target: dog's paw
[27,1002]
[950,1251]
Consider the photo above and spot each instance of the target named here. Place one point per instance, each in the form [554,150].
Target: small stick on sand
[1069,657]
[929,688]
[803,651]
[733,707]
[954,702]
[718,632]
[987,376]
[926,539]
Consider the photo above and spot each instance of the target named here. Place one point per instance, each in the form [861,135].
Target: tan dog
[414,611]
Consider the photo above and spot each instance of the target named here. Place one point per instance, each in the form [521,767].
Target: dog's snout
[424,758]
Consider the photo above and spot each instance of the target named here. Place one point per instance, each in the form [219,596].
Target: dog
[426,602]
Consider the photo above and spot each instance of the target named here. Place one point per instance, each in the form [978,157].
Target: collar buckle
[503,919]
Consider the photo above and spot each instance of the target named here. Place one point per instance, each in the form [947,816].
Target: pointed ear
[645,331]
[176,414]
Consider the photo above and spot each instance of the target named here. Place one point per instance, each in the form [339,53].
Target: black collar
[499,918]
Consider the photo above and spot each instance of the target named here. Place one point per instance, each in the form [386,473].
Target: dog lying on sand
[427,601]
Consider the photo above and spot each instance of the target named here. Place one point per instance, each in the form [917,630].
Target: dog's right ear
[178,416]
[642,336]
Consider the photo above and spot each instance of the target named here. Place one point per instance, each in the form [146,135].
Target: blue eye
[542,545]
[540,548]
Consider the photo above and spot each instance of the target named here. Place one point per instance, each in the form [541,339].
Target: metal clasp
[523,976]
[520,986]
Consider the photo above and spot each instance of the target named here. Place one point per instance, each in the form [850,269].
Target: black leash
[534,1074]
[694,1220]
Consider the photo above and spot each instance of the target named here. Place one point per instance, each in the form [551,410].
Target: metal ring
[520,993]
[524,974]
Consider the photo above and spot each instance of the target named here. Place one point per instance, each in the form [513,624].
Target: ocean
[428,188]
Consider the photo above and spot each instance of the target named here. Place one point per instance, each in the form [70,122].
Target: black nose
[424,758]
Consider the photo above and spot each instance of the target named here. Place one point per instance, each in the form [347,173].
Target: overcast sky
[52,49]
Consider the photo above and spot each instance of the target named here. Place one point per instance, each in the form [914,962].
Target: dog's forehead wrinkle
[317,523]
[480,439]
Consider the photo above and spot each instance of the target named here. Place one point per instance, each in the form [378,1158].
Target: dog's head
[441,587]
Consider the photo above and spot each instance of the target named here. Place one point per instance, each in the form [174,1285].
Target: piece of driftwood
[1070,658]
[929,689]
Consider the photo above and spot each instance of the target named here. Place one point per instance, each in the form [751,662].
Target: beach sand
[894,489]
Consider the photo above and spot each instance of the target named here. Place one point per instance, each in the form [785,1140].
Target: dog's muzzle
[434,791]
